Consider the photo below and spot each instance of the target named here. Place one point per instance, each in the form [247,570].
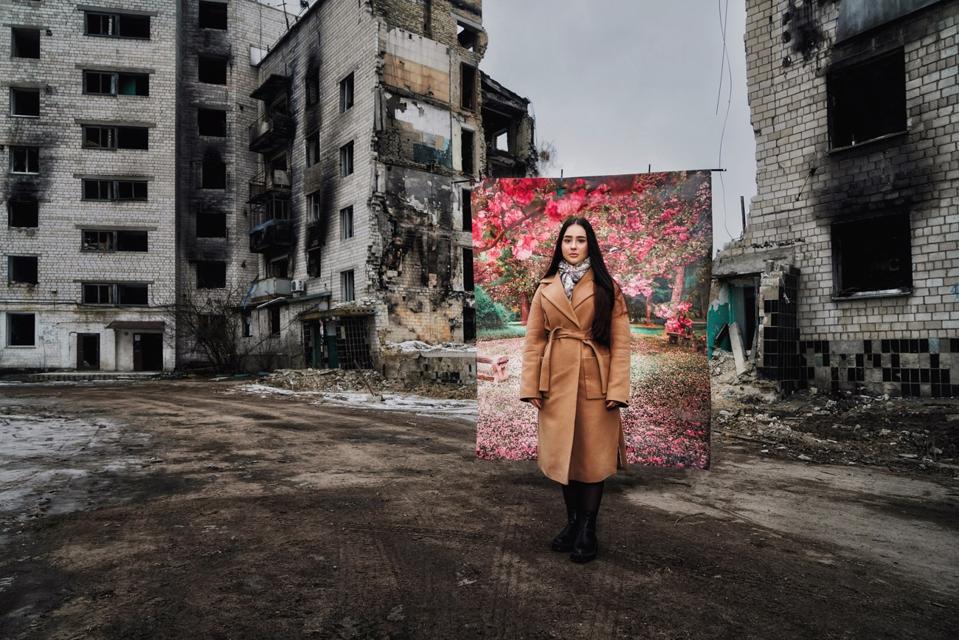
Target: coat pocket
[592,379]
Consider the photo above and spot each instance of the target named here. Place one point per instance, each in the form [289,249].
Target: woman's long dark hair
[603,296]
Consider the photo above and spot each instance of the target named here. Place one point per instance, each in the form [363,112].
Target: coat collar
[554,292]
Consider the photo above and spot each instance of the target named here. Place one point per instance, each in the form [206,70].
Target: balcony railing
[275,182]
[271,235]
[270,288]
[270,132]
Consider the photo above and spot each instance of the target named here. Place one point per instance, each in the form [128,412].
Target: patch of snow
[419,405]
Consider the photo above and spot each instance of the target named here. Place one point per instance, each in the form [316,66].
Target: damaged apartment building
[119,133]
[847,276]
[374,124]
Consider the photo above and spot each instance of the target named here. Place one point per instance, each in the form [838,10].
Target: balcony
[271,184]
[271,132]
[271,235]
[270,288]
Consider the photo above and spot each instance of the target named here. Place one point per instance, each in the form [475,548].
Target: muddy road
[189,510]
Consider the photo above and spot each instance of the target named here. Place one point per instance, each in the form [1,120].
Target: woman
[576,373]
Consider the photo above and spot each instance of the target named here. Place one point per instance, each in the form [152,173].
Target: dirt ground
[190,510]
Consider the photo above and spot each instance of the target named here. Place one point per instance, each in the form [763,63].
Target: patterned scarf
[570,274]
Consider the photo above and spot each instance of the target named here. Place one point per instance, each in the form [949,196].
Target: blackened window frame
[837,81]
[849,232]
[27,149]
[214,18]
[16,218]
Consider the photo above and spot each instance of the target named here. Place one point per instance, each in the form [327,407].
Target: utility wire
[724,65]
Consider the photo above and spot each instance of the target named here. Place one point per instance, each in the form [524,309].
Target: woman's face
[574,244]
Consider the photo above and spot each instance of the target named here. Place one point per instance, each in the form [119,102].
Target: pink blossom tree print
[652,228]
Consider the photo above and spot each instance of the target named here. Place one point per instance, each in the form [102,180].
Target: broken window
[469,324]
[213,173]
[347,290]
[211,224]
[872,255]
[346,159]
[210,275]
[312,87]
[314,208]
[501,142]
[107,137]
[213,15]
[467,36]
[312,148]
[25,102]
[278,267]
[467,209]
[133,84]
[346,223]
[21,329]
[110,84]
[346,93]
[467,86]
[274,312]
[246,323]
[114,241]
[24,159]
[131,240]
[867,100]
[95,189]
[466,150]
[23,212]
[98,241]
[467,269]
[117,25]
[211,122]
[313,263]
[25,42]
[22,269]
[133,138]
[133,294]
[211,69]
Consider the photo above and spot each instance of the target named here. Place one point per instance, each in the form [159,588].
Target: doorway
[88,351]
[147,351]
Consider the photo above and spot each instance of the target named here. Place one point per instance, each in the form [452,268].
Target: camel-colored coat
[579,438]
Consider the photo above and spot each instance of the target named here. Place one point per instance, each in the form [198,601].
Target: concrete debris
[912,434]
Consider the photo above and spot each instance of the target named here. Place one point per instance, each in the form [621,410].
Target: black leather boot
[585,545]
[564,541]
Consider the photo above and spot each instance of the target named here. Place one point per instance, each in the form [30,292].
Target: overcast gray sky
[617,85]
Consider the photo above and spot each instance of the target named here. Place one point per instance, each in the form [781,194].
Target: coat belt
[560,333]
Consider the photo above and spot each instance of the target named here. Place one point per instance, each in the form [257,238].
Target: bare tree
[212,321]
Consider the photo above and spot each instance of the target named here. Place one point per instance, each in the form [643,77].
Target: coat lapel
[583,290]
[553,291]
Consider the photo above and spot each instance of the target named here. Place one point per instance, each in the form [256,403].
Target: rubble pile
[363,381]
[920,434]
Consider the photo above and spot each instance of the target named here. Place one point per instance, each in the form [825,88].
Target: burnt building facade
[847,277]
[374,129]
[87,185]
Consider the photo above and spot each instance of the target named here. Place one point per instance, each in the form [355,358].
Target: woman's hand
[536,402]
[612,404]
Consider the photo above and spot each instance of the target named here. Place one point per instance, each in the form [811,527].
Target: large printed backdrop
[656,236]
